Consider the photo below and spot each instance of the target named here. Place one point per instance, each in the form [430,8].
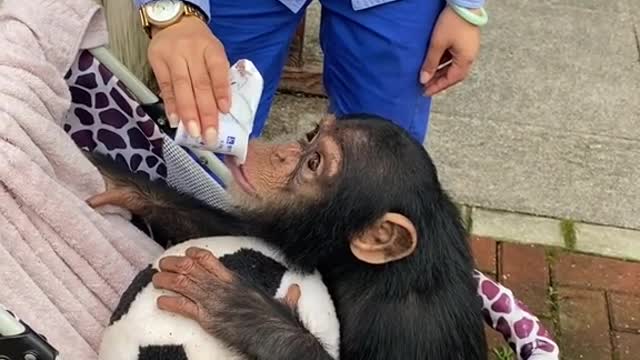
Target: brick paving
[590,303]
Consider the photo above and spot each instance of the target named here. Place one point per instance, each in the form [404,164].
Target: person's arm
[203,5]
[192,71]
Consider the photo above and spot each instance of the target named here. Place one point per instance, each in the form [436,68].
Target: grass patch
[504,353]
[568,228]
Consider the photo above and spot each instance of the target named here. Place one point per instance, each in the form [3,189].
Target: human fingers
[183,90]
[436,50]
[204,96]
[163,78]
[454,74]
[218,66]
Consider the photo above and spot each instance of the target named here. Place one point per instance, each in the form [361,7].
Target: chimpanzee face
[287,174]
[329,184]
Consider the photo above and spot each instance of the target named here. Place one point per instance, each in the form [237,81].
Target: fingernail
[211,136]
[224,105]
[424,77]
[193,128]
[173,120]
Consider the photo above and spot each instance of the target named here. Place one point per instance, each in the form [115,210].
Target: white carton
[234,127]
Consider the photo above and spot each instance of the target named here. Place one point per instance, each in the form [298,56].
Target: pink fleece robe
[63,265]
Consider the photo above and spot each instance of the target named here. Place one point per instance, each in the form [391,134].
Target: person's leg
[260,31]
[373,59]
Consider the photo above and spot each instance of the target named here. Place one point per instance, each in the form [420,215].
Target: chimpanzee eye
[314,161]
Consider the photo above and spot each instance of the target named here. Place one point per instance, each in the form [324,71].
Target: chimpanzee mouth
[237,171]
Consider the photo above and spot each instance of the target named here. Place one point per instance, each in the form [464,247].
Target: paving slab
[516,227]
[585,325]
[627,346]
[625,312]
[608,241]
[565,68]
[536,170]
[525,271]
[597,273]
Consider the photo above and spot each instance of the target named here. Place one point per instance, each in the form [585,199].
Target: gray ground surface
[549,121]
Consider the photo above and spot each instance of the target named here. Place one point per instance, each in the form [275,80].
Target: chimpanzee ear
[391,238]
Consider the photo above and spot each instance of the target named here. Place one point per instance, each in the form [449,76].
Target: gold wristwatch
[163,13]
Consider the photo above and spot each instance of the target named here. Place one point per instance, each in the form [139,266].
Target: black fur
[262,271]
[162,352]
[139,282]
[422,307]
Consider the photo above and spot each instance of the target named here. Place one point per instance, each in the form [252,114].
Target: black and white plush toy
[139,330]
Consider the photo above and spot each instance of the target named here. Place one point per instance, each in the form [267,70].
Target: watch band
[191,10]
[187,10]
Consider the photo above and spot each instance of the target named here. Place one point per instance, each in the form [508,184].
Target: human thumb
[430,65]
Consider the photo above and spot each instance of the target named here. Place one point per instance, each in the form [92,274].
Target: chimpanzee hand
[231,309]
[125,197]
[123,188]
[204,287]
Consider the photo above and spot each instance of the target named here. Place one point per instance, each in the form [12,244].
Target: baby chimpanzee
[359,200]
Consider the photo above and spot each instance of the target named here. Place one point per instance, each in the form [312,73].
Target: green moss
[553,299]
[503,353]
[568,234]
[551,255]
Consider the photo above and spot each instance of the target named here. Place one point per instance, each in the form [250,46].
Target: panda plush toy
[139,330]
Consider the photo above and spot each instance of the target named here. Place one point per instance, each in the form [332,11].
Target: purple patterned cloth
[106,118]
[524,332]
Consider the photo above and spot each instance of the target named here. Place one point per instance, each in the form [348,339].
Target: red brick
[593,272]
[627,346]
[585,325]
[484,252]
[524,270]
[625,312]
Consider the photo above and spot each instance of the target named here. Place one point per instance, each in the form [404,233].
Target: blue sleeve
[202,4]
[471,4]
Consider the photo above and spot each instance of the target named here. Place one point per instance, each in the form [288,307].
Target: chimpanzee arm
[233,310]
[174,217]
[264,328]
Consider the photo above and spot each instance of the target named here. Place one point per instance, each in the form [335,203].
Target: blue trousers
[372,57]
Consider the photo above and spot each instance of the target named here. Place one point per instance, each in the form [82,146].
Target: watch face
[163,10]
